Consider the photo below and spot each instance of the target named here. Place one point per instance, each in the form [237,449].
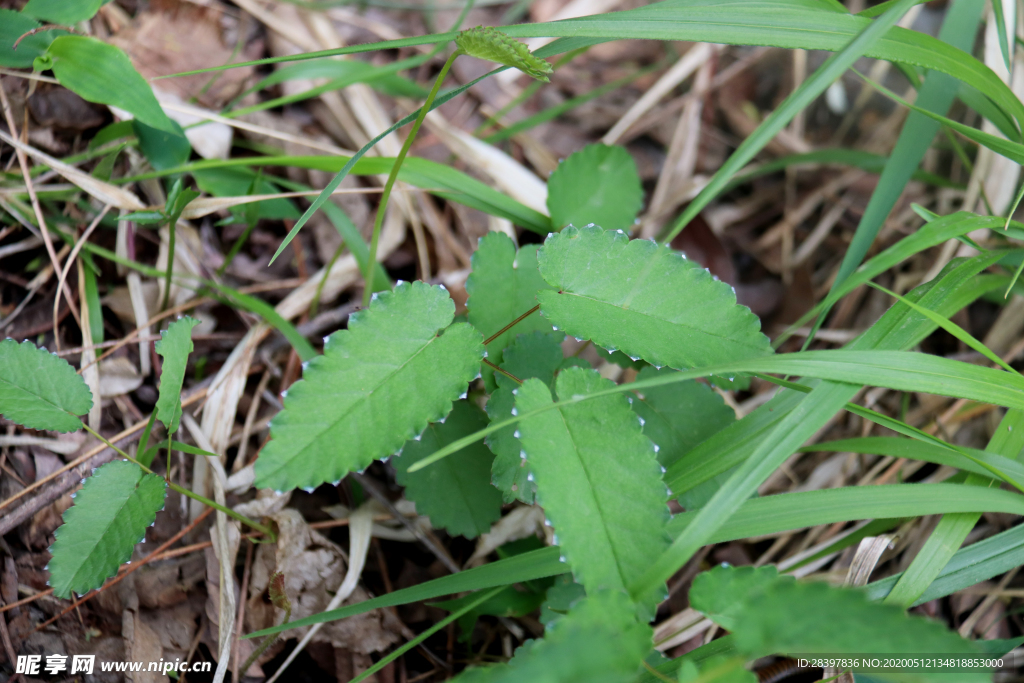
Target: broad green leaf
[14,25]
[40,390]
[559,599]
[720,593]
[537,354]
[598,479]
[598,185]
[511,602]
[110,515]
[163,148]
[66,12]
[503,286]
[530,566]
[774,616]
[174,345]
[485,42]
[456,494]
[645,300]
[797,101]
[679,416]
[378,384]
[602,626]
[102,73]
[235,182]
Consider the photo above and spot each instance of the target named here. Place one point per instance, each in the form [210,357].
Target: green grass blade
[530,566]
[958,29]
[816,84]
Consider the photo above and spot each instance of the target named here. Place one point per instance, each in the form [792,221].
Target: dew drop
[516,434]
[515,392]
[561,558]
[529,477]
[522,456]
[642,421]
[657,449]
[464,393]
[515,412]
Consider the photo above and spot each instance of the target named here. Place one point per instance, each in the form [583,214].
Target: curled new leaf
[174,346]
[397,367]
[491,44]
[40,390]
[110,515]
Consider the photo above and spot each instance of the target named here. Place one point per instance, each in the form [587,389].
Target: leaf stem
[379,220]
[511,325]
[170,264]
[185,492]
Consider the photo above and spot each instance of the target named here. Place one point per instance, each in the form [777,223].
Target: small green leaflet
[537,354]
[679,416]
[102,73]
[456,494]
[598,480]
[40,390]
[491,44]
[598,185]
[503,286]
[174,346]
[110,515]
[599,641]
[645,300]
[378,384]
[770,614]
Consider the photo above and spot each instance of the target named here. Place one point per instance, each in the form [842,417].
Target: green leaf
[485,42]
[379,383]
[645,300]
[510,602]
[720,593]
[537,354]
[457,494]
[102,73]
[66,12]
[598,185]
[174,345]
[13,25]
[598,479]
[530,566]
[773,616]
[40,390]
[162,148]
[503,286]
[110,515]
[602,626]
[235,182]
[679,416]
[559,599]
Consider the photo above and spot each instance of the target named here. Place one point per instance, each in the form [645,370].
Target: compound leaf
[598,479]
[539,355]
[679,416]
[503,286]
[603,626]
[40,390]
[598,185]
[455,493]
[645,300]
[771,615]
[174,346]
[110,515]
[378,384]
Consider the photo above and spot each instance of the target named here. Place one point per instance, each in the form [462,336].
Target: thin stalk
[512,324]
[379,221]
[502,371]
[170,265]
[183,491]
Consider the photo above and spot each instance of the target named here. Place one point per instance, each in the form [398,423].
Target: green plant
[602,458]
